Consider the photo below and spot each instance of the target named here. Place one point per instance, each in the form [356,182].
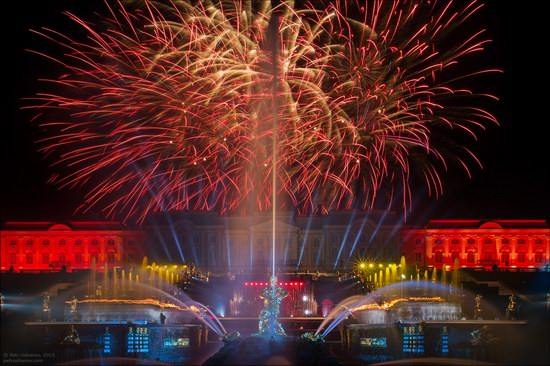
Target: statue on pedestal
[45,302]
[272,296]
[73,303]
[98,292]
[72,336]
[46,306]
[482,337]
[477,309]
[512,309]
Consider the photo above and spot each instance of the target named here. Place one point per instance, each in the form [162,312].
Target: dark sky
[514,183]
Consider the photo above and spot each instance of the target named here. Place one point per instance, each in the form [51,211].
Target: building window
[111,258]
[521,257]
[131,243]
[29,257]
[521,241]
[439,241]
[418,241]
[418,257]
[316,243]
[45,258]
[130,257]
[538,242]
[505,257]
[13,258]
[110,242]
[455,241]
[333,252]
[78,242]
[94,258]
[438,257]
[487,256]
[95,242]
[212,238]
[62,242]
[471,257]
[30,242]
[13,242]
[46,242]
[62,257]
[454,255]
[539,257]
[471,241]
[78,258]
[488,241]
[505,241]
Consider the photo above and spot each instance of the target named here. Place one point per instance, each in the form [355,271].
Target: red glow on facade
[50,246]
[497,244]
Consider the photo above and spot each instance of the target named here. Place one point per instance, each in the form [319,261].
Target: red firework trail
[169,105]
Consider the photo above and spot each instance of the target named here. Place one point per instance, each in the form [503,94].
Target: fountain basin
[408,309]
[122,310]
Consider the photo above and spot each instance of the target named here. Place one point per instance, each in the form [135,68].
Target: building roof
[487,224]
[62,226]
[312,222]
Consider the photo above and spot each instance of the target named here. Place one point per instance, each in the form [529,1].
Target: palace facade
[325,242]
[503,244]
[50,246]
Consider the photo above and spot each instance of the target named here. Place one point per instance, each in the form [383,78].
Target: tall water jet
[143,275]
[115,284]
[454,281]
[105,280]
[425,282]
[139,292]
[159,278]
[123,289]
[94,274]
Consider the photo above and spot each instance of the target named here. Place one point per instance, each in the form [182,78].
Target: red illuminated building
[50,246]
[520,244]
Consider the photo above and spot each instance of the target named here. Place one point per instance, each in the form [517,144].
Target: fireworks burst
[172,105]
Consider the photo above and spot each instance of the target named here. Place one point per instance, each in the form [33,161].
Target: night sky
[514,183]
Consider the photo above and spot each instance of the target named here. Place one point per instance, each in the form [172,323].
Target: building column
[498,245]
[429,250]
[514,244]
[479,248]
[463,254]
[530,243]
